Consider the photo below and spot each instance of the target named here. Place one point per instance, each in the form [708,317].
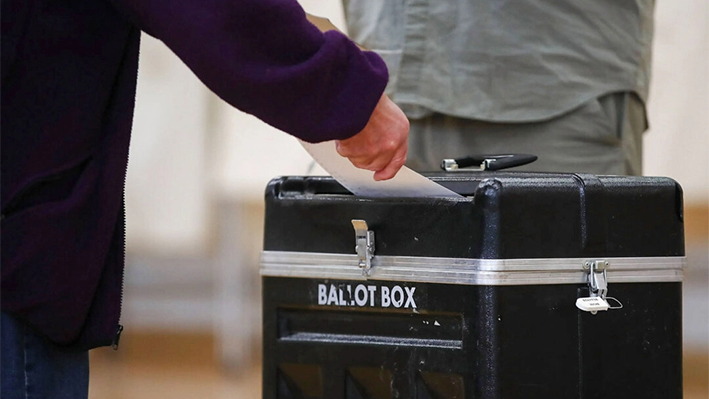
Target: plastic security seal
[592,304]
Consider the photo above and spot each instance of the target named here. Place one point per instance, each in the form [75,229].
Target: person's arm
[265,58]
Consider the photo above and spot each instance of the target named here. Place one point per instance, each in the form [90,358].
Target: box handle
[488,162]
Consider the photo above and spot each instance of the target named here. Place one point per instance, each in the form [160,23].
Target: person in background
[567,81]
[69,73]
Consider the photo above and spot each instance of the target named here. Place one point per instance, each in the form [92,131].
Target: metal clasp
[597,277]
[598,288]
[364,245]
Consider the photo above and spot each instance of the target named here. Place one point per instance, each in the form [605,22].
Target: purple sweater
[68,85]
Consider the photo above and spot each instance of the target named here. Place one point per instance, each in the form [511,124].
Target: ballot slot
[393,328]
[325,186]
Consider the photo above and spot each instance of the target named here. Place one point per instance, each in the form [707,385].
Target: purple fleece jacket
[68,85]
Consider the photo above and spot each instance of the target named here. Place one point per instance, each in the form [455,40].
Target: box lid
[500,216]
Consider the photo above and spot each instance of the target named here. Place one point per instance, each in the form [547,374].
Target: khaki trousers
[602,136]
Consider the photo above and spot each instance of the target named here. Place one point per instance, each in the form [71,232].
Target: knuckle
[347,151]
[399,162]
[391,146]
[405,125]
[361,163]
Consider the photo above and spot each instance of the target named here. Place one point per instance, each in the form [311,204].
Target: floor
[135,380]
[176,366]
[184,368]
[111,380]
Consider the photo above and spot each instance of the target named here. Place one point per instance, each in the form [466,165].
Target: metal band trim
[467,271]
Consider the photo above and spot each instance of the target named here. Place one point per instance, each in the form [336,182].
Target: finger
[390,170]
[360,144]
[348,150]
[396,163]
[369,163]
[341,148]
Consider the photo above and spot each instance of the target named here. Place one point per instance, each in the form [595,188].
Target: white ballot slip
[360,182]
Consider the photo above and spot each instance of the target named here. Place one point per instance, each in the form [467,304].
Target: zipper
[117,337]
[119,329]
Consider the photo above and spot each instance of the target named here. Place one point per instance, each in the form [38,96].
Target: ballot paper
[360,182]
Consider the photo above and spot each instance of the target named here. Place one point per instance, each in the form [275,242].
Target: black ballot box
[530,285]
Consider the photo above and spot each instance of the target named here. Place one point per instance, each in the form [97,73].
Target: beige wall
[677,144]
[166,190]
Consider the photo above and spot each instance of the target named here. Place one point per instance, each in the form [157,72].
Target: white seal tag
[592,304]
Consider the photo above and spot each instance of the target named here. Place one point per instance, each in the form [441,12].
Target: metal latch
[364,245]
[597,277]
[598,288]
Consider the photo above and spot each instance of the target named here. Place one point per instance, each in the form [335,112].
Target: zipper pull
[117,338]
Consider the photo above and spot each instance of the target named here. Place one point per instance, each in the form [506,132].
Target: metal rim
[467,271]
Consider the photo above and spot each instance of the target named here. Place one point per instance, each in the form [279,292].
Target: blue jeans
[33,367]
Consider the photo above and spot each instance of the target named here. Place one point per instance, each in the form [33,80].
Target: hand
[382,145]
